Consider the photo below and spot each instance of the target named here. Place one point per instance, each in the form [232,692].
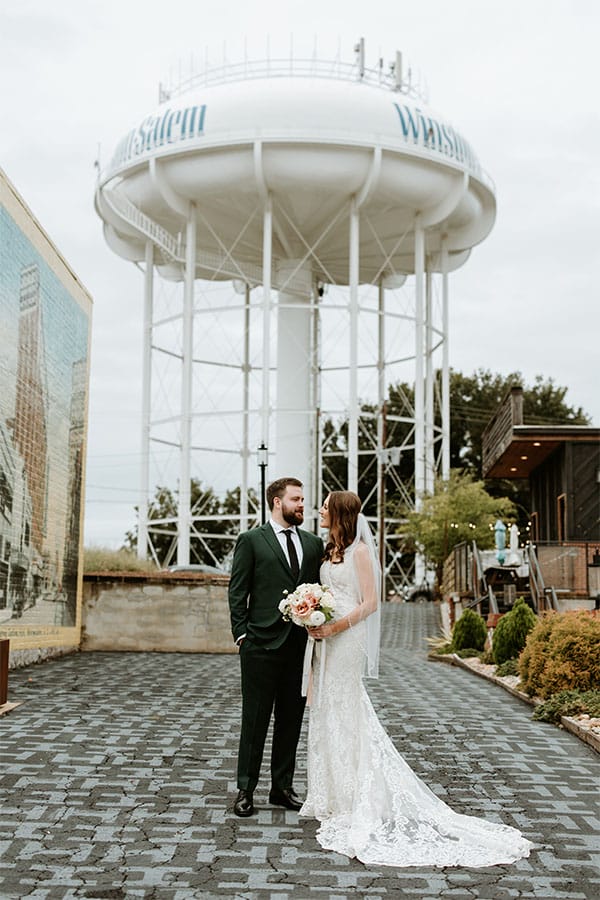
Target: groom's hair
[277,488]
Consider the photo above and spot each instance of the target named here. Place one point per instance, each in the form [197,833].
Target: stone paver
[117,775]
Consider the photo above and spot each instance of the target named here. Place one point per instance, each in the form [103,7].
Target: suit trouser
[271,683]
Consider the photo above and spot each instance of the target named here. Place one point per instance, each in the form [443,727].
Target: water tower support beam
[144,499]
[381,436]
[246,412]
[429,382]
[267,267]
[419,387]
[353,373]
[445,367]
[184,513]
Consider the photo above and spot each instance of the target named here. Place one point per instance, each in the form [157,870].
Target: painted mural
[44,348]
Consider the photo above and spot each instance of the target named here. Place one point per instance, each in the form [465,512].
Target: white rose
[283,605]
[316,618]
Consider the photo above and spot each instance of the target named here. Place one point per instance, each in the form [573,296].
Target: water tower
[303,217]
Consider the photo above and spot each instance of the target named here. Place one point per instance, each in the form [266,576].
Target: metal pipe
[445,366]
[429,383]
[353,372]
[266,359]
[381,428]
[245,415]
[419,387]
[144,495]
[184,512]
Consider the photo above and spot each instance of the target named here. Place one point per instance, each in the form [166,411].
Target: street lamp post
[263,462]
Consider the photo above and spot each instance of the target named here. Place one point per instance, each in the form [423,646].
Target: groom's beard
[291,516]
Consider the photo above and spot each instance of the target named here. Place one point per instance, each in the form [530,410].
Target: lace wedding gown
[369,802]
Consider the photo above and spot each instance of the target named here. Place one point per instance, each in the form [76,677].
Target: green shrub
[467,653]
[487,658]
[562,653]
[508,667]
[102,559]
[568,703]
[469,632]
[511,631]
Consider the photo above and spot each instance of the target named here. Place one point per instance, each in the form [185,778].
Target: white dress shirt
[279,531]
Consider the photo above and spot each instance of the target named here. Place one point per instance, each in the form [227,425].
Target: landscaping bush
[103,559]
[511,632]
[508,667]
[467,653]
[469,632]
[562,653]
[568,703]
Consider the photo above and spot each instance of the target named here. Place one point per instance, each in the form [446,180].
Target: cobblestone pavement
[117,779]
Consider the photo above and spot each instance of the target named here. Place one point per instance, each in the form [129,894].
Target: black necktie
[294,564]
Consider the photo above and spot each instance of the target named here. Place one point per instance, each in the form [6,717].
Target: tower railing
[289,67]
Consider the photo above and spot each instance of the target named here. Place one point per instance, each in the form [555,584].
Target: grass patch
[102,559]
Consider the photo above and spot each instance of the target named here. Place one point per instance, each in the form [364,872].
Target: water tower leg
[419,385]
[142,543]
[353,373]
[445,369]
[382,459]
[245,415]
[184,512]
[267,267]
[429,384]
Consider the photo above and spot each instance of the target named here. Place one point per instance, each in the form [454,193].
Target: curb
[569,724]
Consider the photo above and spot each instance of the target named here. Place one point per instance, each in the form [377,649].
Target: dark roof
[530,445]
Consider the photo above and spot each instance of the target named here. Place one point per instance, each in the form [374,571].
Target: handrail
[174,249]
[539,590]
[127,210]
[295,67]
[482,587]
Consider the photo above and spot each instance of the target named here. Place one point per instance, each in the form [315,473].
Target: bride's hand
[322,631]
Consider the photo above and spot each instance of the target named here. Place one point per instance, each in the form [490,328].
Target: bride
[369,802]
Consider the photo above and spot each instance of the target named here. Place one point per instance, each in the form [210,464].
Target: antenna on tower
[398,71]
[359,49]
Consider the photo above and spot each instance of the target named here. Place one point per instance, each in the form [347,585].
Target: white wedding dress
[369,802]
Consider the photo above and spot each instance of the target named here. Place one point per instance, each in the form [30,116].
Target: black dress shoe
[286,797]
[244,804]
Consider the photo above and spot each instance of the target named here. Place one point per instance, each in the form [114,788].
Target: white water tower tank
[295,177]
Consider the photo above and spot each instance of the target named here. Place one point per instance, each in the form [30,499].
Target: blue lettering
[169,127]
[414,126]
[435,135]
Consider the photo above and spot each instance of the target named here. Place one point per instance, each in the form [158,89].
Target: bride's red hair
[343,509]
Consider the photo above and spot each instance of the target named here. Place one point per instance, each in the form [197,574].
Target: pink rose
[301,608]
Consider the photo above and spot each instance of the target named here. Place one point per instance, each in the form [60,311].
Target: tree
[459,510]
[206,544]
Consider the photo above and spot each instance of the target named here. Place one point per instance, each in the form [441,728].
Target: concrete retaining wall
[169,612]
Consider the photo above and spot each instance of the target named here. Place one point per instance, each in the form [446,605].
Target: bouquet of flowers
[309,605]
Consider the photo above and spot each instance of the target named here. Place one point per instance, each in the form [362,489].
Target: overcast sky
[519,80]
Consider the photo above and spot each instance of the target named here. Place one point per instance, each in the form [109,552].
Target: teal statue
[500,534]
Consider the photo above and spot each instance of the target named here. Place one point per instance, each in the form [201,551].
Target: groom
[268,561]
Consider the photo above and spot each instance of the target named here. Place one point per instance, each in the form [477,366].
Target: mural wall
[44,357]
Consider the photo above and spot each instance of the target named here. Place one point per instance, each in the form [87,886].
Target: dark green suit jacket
[259,576]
